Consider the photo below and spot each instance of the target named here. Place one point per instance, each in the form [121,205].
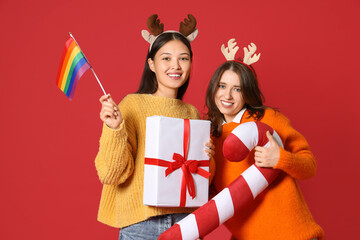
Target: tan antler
[248,53]
[188,25]
[230,51]
[154,25]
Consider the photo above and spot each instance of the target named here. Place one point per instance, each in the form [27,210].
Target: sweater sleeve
[296,158]
[115,160]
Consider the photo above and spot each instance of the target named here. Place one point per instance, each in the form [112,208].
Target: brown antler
[188,26]
[154,25]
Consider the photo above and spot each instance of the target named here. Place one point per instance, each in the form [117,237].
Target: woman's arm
[296,158]
[115,160]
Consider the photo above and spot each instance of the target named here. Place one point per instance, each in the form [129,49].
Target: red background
[49,186]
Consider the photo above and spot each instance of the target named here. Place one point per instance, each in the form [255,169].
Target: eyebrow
[165,53]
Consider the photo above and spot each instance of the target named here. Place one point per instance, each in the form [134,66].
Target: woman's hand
[267,156]
[210,148]
[110,113]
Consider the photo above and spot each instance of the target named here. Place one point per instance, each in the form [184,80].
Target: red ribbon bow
[188,167]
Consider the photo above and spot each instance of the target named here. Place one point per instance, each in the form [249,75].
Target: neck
[228,119]
[168,93]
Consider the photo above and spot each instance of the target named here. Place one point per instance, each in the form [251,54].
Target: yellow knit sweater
[120,160]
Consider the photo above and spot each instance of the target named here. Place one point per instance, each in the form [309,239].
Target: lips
[174,75]
[226,104]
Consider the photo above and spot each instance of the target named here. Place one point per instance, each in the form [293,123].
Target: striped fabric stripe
[224,201]
[204,214]
[256,181]
[188,223]
[248,133]
[73,65]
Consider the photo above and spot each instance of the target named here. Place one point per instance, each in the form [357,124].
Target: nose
[227,93]
[176,64]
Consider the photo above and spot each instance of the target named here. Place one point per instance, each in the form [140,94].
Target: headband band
[248,66]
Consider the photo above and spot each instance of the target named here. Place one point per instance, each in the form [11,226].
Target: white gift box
[164,143]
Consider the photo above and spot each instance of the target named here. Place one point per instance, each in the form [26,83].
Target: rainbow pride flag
[73,65]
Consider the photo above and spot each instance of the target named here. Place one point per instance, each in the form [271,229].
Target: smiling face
[228,96]
[171,65]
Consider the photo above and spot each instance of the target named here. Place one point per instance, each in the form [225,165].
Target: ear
[151,64]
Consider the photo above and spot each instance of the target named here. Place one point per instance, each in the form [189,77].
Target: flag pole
[89,65]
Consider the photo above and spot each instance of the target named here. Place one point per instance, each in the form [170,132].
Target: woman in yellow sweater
[280,211]
[120,160]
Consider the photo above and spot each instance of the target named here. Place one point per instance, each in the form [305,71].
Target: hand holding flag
[110,113]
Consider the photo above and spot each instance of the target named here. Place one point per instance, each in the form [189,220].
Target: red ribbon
[187,166]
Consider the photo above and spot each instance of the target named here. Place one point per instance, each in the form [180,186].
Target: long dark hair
[148,82]
[250,91]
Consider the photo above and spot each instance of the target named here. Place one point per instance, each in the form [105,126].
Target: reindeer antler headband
[187,28]
[249,53]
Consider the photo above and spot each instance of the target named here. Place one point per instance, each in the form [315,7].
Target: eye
[166,58]
[237,89]
[221,86]
[184,59]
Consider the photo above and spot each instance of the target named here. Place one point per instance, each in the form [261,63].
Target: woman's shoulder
[274,116]
[194,111]
[130,103]
[133,98]
[190,106]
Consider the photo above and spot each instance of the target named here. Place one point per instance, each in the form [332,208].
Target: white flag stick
[89,65]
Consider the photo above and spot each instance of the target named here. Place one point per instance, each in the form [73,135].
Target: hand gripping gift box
[176,170]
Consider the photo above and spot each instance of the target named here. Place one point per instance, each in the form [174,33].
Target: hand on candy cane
[267,156]
[110,113]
